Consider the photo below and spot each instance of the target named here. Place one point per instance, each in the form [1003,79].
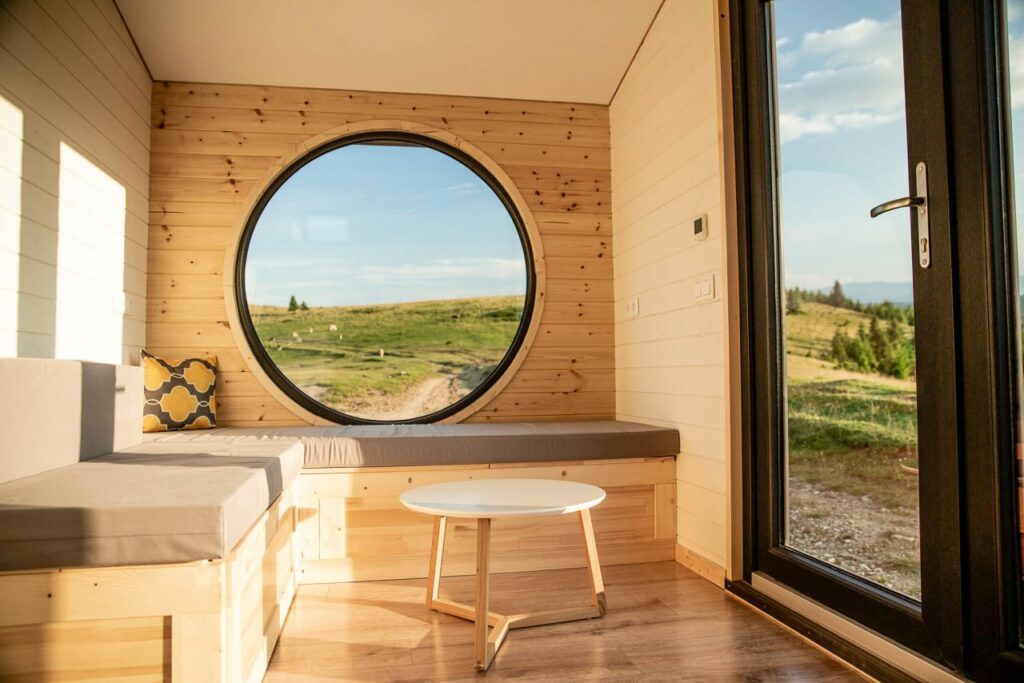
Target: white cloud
[1016,59]
[327,282]
[448,268]
[320,228]
[862,40]
[1014,10]
[853,78]
[465,188]
[297,263]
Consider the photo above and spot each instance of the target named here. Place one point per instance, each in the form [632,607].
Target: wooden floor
[664,623]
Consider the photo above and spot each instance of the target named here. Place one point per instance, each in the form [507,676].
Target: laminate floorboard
[664,623]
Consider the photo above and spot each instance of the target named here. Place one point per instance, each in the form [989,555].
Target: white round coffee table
[487,499]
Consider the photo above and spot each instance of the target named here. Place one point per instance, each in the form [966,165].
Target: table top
[492,498]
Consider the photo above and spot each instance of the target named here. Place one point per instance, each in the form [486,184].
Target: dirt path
[857,534]
[433,394]
[424,398]
[314,391]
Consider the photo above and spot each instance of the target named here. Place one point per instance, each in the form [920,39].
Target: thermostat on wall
[700,227]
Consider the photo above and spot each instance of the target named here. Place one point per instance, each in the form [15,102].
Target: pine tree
[901,365]
[895,332]
[879,340]
[303,306]
[839,343]
[862,355]
[836,297]
[293,305]
[794,297]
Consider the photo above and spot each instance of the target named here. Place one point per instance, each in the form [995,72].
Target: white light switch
[633,308]
[704,289]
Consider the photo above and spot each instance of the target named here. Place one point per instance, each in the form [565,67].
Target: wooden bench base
[200,621]
[486,643]
[219,620]
[352,526]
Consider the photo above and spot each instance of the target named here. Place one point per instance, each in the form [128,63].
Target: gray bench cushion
[454,444]
[149,504]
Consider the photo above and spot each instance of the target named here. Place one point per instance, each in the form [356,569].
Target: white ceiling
[567,50]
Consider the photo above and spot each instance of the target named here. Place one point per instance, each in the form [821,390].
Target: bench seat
[414,445]
[352,526]
[154,503]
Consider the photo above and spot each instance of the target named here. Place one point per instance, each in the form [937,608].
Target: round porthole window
[384,277]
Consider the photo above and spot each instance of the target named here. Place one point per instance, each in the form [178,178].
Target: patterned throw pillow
[179,393]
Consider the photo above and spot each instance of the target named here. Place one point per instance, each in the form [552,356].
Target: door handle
[893,204]
[919,201]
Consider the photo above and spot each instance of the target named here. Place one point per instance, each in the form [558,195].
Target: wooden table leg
[487,641]
[436,560]
[484,651]
[593,563]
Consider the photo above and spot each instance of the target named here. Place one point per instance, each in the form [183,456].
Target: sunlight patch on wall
[11,125]
[90,261]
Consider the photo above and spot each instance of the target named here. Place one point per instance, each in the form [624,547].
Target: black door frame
[988,544]
[985,213]
[937,79]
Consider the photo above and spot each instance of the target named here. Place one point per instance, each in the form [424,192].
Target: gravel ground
[857,534]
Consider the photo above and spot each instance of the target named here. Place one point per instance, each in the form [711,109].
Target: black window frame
[980,80]
[382,137]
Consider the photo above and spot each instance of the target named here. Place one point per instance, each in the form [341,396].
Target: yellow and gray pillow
[180,394]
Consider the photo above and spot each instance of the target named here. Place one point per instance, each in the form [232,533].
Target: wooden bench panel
[214,620]
[352,526]
[112,649]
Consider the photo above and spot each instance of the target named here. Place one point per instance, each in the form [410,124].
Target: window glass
[852,470]
[386,281]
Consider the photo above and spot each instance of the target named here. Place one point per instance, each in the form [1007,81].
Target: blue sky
[1015,21]
[843,134]
[843,130]
[370,224]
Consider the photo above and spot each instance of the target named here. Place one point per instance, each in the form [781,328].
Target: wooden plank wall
[211,143]
[671,365]
[74,163]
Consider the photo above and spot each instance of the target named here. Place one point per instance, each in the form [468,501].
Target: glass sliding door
[852,469]
[880,210]
[850,314]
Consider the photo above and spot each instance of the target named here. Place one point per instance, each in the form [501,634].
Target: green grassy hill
[811,329]
[809,342]
[847,430]
[461,338]
[851,500]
